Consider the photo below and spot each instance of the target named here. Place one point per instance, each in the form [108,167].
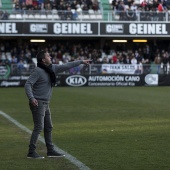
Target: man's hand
[86,62]
[34,102]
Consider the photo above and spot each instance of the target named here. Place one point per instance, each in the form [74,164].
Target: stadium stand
[6,4]
[106,7]
[64,10]
[78,12]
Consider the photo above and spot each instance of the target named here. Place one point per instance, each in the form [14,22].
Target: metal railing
[100,69]
[151,16]
[112,15]
[50,15]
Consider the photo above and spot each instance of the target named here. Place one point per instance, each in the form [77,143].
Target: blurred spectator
[29,4]
[114,59]
[106,48]
[144,3]
[4,15]
[20,66]
[146,66]
[130,15]
[7,61]
[17,5]
[95,5]
[133,60]
[14,60]
[1,60]
[121,10]
[23,6]
[164,63]
[161,11]
[158,62]
[69,15]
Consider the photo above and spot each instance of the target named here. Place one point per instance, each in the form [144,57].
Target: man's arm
[67,66]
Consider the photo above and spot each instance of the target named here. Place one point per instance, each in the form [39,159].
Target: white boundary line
[71,158]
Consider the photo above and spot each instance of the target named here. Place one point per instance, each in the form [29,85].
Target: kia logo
[76,80]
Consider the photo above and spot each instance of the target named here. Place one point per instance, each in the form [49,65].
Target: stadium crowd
[65,9]
[55,4]
[23,54]
[145,10]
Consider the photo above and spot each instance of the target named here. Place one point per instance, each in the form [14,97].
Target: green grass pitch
[106,128]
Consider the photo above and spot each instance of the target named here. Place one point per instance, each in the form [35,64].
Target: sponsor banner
[133,29]
[62,28]
[12,28]
[108,80]
[49,28]
[121,68]
[95,29]
[97,80]
[12,83]
[151,79]
[4,71]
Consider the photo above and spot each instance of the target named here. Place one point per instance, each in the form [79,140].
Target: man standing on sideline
[38,89]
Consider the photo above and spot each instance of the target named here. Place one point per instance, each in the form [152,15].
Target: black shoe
[54,154]
[34,155]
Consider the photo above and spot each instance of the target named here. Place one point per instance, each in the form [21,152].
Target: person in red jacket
[161,13]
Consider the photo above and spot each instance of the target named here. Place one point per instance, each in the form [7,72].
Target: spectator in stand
[55,60]
[7,61]
[73,5]
[28,59]
[14,60]
[94,55]
[148,14]
[133,60]
[124,58]
[105,60]
[146,52]
[114,59]
[146,66]
[66,58]
[164,63]
[85,9]
[59,55]
[106,48]
[47,7]
[144,4]
[29,4]
[16,5]
[53,4]
[133,6]
[157,61]
[89,4]
[138,57]
[20,66]
[155,4]
[121,11]
[153,14]
[95,5]
[69,14]
[60,6]
[130,14]
[1,60]
[35,2]
[161,11]
[143,15]
[23,6]
[1,15]
[98,66]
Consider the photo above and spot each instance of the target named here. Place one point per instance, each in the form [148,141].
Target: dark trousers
[42,121]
